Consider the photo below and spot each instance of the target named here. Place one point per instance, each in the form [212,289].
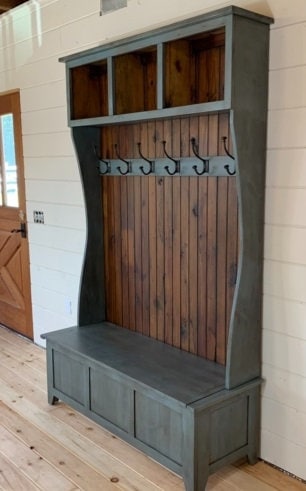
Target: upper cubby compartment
[89,90]
[194,69]
[135,81]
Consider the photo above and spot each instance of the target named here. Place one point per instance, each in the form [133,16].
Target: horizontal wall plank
[59,260]
[285,207]
[69,12]
[51,168]
[286,168]
[56,144]
[50,120]
[286,88]
[284,352]
[283,453]
[284,45]
[285,280]
[285,244]
[43,277]
[285,421]
[52,300]
[44,71]
[48,95]
[69,240]
[33,49]
[47,320]
[284,387]
[57,192]
[284,316]
[286,128]
[65,216]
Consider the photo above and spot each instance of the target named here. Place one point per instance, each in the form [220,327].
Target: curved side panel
[92,289]
[244,343]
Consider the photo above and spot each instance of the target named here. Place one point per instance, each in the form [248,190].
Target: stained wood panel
[89,91]
[171,242]
[194,69]
[135,75]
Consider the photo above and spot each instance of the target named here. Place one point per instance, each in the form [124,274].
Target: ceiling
[6,5]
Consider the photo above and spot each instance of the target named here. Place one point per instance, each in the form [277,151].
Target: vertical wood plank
[145,268]
[112,248]
[212,243]
[160,244]
[202,268]
[168,218]
[106,217]
[117,249]
[124,252]
[202,243]
[184,209]
[193,248]
[135,137]
[152,231]
[176,240]
[131,253]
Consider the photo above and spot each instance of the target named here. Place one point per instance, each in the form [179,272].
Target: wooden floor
[55,448]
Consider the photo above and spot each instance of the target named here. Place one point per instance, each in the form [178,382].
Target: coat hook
[151,162]
[107,165]
[226,167]
[128,164]
[177,162]
[205,161]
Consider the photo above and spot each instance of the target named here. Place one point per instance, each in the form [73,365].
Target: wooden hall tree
[170,132]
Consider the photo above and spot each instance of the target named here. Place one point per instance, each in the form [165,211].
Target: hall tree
[170,132]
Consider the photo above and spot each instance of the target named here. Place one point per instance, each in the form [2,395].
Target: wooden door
[15,293]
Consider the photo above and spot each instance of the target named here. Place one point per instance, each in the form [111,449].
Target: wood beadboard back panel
[171,243]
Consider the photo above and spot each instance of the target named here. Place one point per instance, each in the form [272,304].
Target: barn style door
[15,296]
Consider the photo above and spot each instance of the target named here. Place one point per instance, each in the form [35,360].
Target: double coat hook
[107,165]
[177,167]
[150,162]
[226,167]
[205,168]
[128,164]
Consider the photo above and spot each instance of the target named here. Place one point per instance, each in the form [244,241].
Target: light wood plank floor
[46,447]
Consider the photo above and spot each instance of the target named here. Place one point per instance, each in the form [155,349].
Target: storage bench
[167,402]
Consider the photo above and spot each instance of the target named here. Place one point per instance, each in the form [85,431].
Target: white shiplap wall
[32,38]
[284,313]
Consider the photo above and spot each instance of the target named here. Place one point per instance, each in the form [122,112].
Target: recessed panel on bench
[111,399]
[70,376]
[230,419]
[158,426]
